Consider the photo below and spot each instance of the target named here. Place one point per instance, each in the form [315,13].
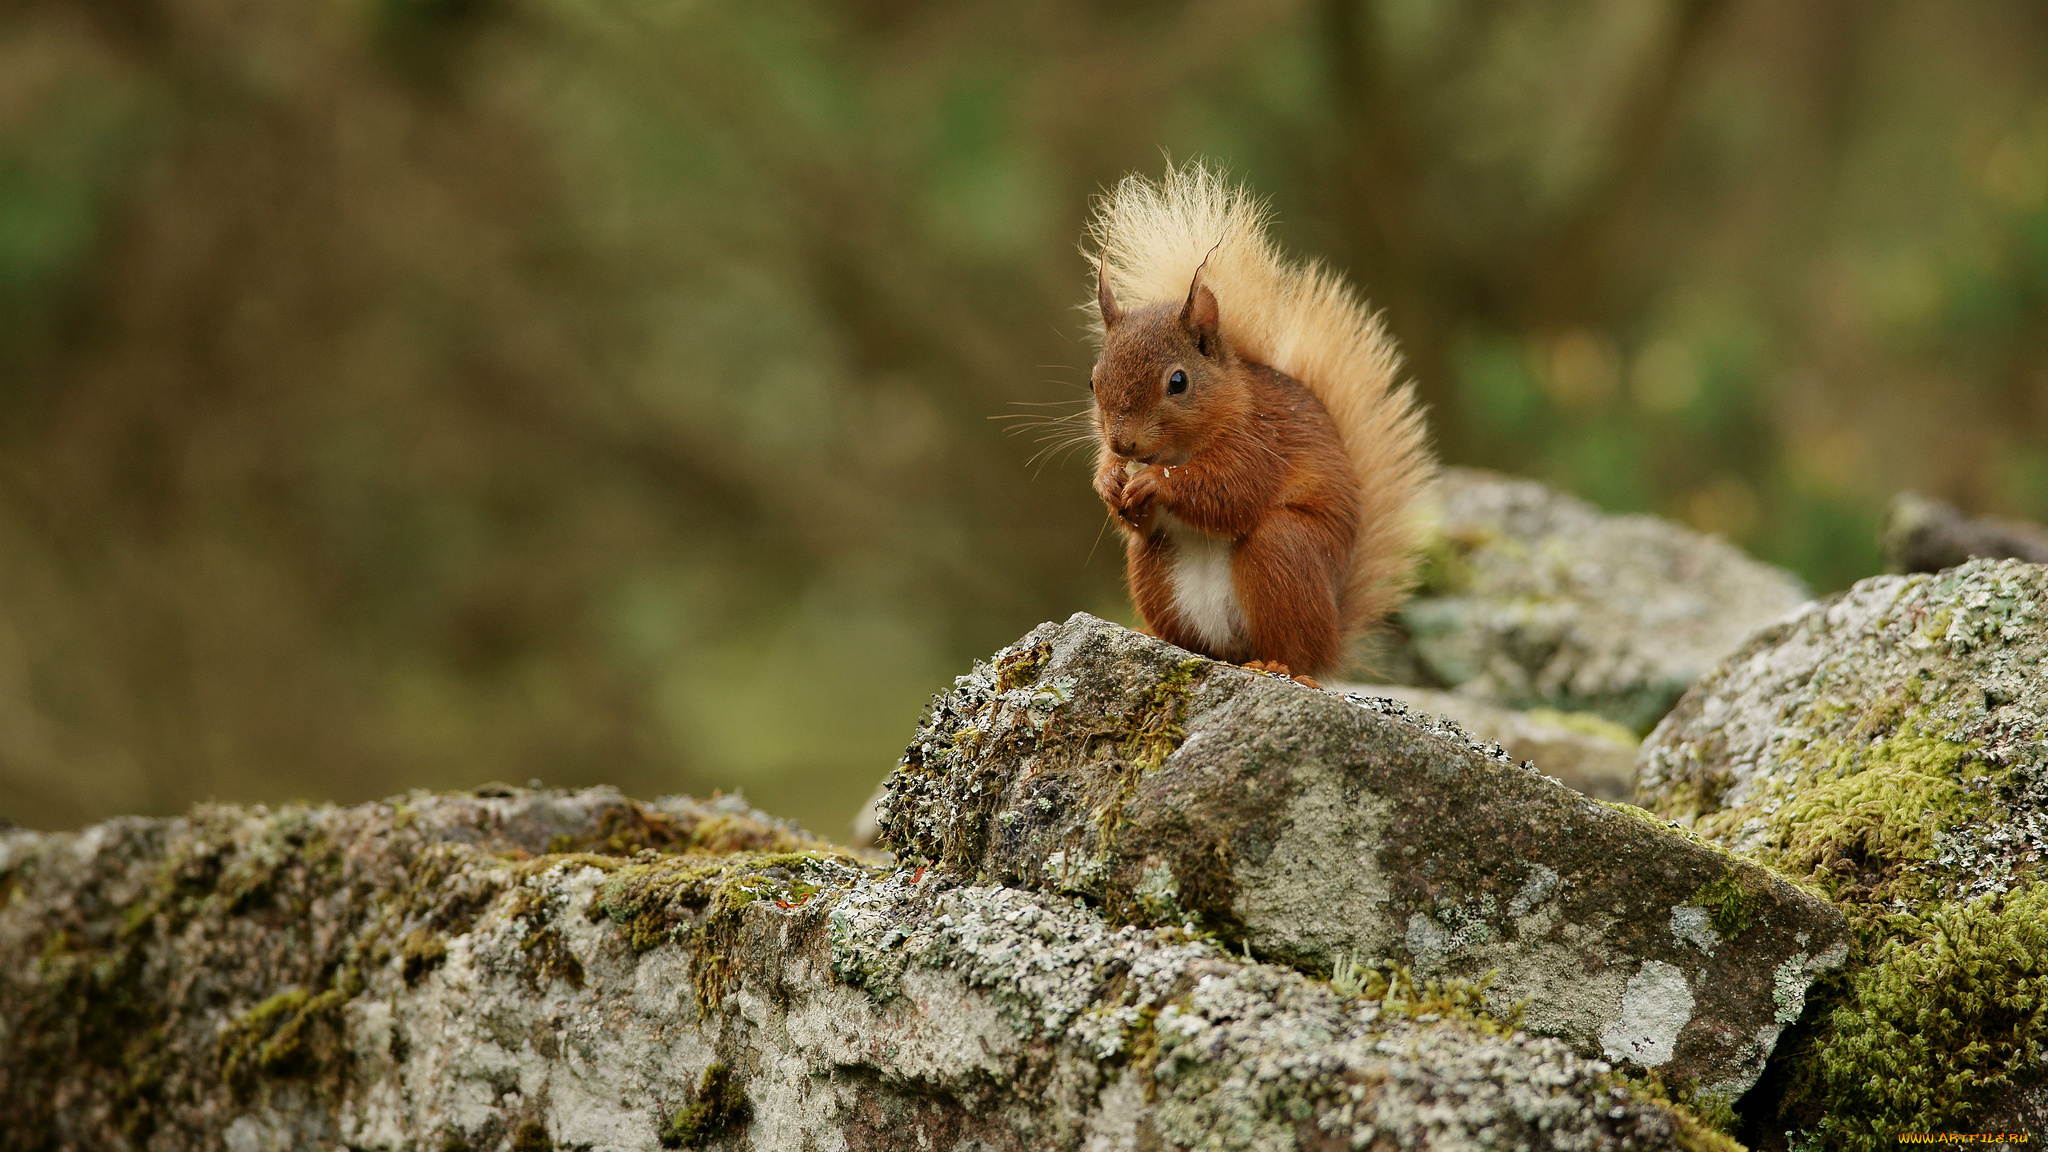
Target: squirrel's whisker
[1106,518]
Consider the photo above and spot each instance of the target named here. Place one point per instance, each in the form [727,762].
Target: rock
[1933,683]
[1890,745]
[577,971]
[1534,599]
[1925,535]
[1321,830]
[1590,754]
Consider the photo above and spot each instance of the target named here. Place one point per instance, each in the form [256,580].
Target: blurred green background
[401,393]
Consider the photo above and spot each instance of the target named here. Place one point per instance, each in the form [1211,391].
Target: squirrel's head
[1165,382]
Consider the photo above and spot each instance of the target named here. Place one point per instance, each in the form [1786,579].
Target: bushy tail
[1296,317]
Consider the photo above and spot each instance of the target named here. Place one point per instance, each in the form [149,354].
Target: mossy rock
[1315,829]
[421,974]
[161,976]
[1534,599]
[1889,746]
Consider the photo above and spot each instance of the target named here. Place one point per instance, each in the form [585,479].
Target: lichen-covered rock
[1891,745]
[1319,829]
[162,980]
[1590,754]
[1535,599]
[575,971]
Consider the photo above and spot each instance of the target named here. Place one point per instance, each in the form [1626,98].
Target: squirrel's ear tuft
[1200,317]
[1104,298]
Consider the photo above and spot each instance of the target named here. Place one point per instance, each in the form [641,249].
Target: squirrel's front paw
[1109,485]
[1139,493]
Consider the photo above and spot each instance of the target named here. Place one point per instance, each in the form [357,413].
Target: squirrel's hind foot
[1275,668]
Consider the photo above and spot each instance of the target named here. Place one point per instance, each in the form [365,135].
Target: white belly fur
[1202,592]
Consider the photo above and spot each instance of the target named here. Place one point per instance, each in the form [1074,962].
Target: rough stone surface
[1590,754]
[1890,745]
[1314,828]
[1535,599]
[1852,689]
[427,974]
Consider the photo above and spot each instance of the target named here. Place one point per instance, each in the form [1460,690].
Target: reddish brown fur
[1247,454]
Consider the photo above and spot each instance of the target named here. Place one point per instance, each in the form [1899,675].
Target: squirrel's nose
[1122,447]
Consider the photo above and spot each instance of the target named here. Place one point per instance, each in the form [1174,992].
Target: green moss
[146,1062]
[427,896]
[135,916]
[966,741]
[1665,827]
[1951,1013]
[422,952]
[295,1033]
[653,903]
[1141,1042]
[532,1136]
[1859,812]
[91,1006]
[259,1024]
[1144,737]
[1940,1004]
[1731,902]
[95,1003]
[1881,817]
[1021,667]
[1456,998]
[1705,1123]
[1154,727]
[696,902]
[1717,1112]
[716,1107]
[1635,813]
[626,829]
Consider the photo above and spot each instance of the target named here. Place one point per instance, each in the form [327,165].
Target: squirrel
[1255,448]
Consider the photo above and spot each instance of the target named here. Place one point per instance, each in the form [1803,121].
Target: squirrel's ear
[1200,317]
[1104,298]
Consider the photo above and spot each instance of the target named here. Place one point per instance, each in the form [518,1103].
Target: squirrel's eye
[1176,383]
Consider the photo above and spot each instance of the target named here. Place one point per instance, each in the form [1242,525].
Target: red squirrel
[1255,450]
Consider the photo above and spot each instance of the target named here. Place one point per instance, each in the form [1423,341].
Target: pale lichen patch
[1788,988]
[1695,926]
[1656,1006]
